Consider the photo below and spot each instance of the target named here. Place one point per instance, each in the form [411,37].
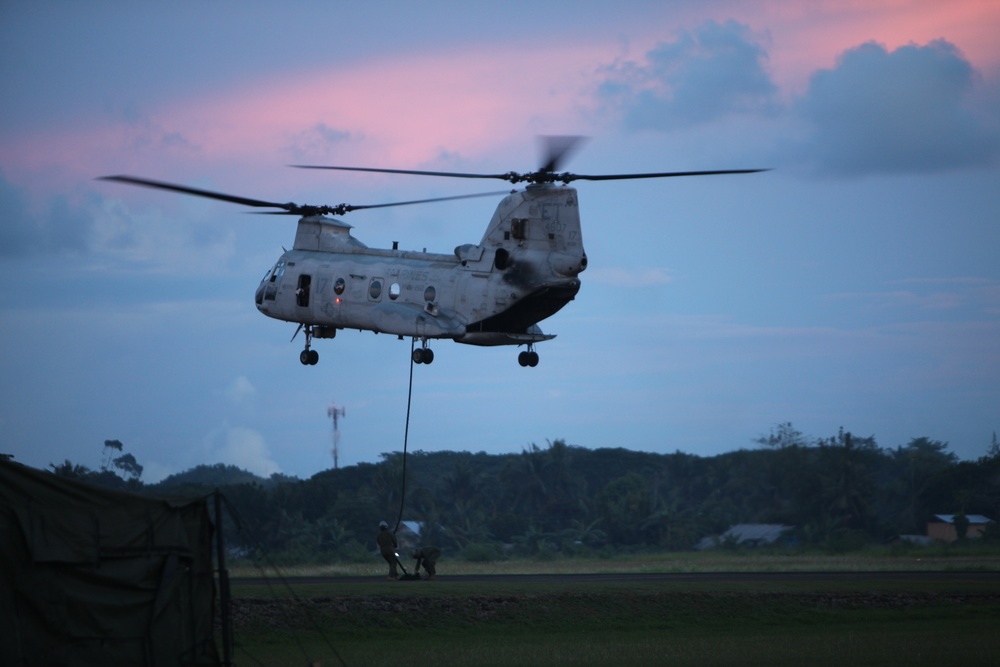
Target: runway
[667,577]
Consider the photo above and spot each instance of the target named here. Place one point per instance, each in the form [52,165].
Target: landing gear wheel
[423,355]
[309,357]
[532,359]
[528,358]
[522,359]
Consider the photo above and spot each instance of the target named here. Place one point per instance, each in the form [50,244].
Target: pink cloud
[393,112]
[466,102]
[810,36]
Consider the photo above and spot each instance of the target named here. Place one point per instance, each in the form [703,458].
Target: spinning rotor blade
[449,174]
[288,208]
[557,149]
[540,176]
[427,201]
[566,178]
[183,189]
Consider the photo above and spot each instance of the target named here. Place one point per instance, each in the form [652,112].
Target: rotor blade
[132,180]
[348,207]
[341,209]
[557,149]
[566,178]
[284,209]
[449,174]
[543,176]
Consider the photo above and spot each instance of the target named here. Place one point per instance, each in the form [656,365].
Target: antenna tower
[336,413]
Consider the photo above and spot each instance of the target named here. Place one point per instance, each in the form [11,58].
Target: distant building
[746,535]
[915,540]
[408,534]
[942,527]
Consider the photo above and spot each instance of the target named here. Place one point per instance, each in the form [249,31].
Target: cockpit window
[279,270]
[268,289]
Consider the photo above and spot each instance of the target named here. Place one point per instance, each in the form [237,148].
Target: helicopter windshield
[268,289]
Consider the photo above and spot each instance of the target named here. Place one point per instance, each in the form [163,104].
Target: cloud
[240,390]
[241,447]
[913,109]
[316,142]
[59,227]
[978,296]
[715,71]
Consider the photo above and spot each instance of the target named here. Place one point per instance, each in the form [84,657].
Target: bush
[480,552]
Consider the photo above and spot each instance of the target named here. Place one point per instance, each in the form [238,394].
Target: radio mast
[336,413]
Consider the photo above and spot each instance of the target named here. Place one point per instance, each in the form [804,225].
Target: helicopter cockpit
[268,288]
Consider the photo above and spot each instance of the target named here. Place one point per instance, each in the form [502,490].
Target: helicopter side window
[394,291]
[519,228]
[375,289]
[339,286]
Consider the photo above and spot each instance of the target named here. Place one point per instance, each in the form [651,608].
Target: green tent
[92,576]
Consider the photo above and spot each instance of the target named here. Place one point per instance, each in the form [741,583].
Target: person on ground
[428,557]
[387,547]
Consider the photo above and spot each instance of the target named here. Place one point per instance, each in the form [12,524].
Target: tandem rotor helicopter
[495,292]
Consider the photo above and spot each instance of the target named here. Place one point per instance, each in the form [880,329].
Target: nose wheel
[528,357]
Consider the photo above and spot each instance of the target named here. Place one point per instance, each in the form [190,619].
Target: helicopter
[525,268]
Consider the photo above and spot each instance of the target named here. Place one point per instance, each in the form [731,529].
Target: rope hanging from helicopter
[406,439]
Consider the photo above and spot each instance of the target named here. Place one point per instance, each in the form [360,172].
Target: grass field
[371,621]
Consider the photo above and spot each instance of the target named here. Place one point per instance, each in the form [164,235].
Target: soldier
[428,557]
[387,547]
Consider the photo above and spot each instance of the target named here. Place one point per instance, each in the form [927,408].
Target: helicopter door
[302,291]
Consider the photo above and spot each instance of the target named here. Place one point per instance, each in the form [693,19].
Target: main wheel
[304,357]
[428,355]
[418,355]
[522,358]
[532,358]
[313,357]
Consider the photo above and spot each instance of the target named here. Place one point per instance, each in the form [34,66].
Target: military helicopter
[495,292]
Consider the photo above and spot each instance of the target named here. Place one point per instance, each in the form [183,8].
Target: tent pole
[227,620]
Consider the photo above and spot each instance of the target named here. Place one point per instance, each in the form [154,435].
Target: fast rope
[406,438]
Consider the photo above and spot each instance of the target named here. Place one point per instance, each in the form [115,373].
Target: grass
[374,622]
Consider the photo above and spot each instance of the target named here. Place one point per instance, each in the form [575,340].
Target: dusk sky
[855,285]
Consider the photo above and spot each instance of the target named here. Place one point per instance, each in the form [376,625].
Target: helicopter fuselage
[524,270]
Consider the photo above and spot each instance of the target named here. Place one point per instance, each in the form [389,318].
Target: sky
[855,285]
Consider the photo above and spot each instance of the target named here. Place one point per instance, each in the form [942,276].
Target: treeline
[839,493]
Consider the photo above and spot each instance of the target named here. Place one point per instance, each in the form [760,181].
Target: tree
[110,447]
[781,436]
[849,487]
[918,464]
[961,523]
[129,466]
[623,505]
[70,470]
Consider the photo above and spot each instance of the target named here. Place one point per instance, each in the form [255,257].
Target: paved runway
[718,577]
